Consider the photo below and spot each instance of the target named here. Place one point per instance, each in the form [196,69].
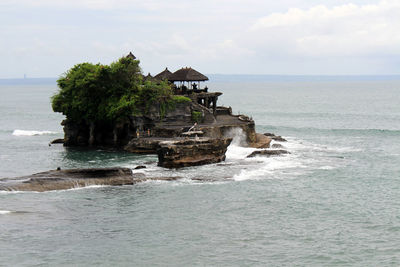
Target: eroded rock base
[191,152]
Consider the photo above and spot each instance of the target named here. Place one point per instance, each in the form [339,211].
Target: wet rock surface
[262,141]
[75,178]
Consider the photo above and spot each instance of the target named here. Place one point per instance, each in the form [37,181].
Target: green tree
[94,93]
[98,92]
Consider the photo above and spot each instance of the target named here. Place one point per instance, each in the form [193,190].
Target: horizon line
[243,74]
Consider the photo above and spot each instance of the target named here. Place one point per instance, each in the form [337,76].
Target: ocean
[334,201]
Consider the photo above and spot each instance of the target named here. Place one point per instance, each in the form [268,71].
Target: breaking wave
[31,133]
[2,212]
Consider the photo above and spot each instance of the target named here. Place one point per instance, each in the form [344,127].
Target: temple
[187,81]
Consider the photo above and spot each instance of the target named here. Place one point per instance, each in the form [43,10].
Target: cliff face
[171,125]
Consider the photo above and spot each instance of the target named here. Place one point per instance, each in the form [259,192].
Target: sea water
[334,201]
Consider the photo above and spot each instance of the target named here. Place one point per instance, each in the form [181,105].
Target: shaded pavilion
[193,90]
[188,75]
[164,75]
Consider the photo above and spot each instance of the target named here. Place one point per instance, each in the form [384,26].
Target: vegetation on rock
[104,93]
[197,116]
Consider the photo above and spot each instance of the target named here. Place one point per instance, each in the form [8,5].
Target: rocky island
[116,106]
[170,114]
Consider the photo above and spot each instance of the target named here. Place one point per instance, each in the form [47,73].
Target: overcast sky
[44,38]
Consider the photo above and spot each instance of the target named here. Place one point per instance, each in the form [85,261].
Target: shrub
[197,116]
[181,99]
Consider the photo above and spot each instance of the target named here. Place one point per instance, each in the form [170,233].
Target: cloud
[224,36]
[345,30]
[83,4]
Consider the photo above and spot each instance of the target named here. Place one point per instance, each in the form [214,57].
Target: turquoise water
[334,201]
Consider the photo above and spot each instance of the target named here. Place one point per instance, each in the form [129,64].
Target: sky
[44,38]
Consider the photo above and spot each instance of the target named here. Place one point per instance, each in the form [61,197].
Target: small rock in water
[267,153]
[274,137]
[140,167]
[269,134]
[279,139]
[277,146]
[57,141]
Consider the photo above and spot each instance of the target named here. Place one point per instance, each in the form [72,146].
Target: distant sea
[334,201]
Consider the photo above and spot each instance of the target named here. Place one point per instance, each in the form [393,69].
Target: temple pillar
[214,104]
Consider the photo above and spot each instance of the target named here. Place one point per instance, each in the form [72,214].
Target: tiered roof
[187,75]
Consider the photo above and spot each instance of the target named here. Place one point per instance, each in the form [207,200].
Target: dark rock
[72,178]
[140,167]
[267,153]
[57,141]
[279,139]
[269,134]
[274,137]
[191,152]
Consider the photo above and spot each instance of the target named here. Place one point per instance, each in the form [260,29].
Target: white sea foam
[238,136]
[235,152]
[31,133]
[270,167]
[327,167]
[2,212]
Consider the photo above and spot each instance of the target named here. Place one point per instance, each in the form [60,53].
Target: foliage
[181,99]
[197,116]
[151,93]
[94,92]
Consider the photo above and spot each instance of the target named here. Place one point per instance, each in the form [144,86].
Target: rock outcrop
[262,141]
[144,145]
[191,152]
[75,178]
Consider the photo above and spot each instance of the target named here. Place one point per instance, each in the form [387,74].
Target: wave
[305,146]
[2,212]
[272,168]
[31,133]
[335,130]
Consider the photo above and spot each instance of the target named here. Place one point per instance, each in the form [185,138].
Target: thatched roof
[149,78]
[164,75]
[187,75]
[132,56]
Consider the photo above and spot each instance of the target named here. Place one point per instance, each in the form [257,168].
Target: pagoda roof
[132,56]
[187,75]
[149,78]
[164,75]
